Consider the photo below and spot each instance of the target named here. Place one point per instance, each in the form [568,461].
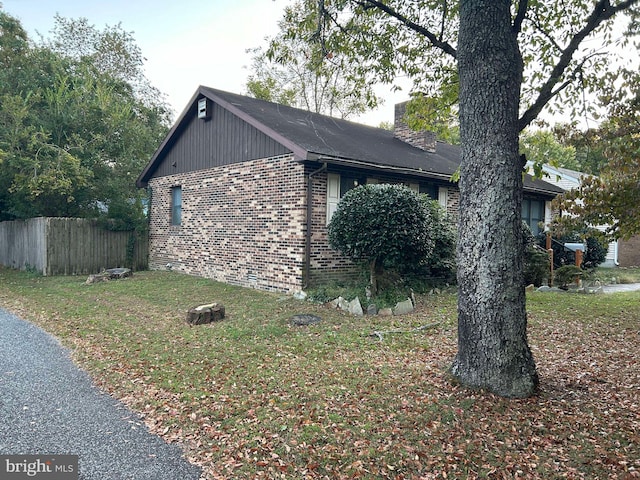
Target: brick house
[242,189]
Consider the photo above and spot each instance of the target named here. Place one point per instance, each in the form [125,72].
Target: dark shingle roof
[312,136]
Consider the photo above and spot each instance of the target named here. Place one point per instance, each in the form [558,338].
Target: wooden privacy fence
[70,246]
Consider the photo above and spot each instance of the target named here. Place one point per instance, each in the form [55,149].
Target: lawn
[254,397]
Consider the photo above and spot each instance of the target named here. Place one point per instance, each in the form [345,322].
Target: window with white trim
[338,185]
[176,206]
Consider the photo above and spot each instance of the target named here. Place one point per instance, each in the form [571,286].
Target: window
[430,189]
[176,206]
[338,185]
[533,214]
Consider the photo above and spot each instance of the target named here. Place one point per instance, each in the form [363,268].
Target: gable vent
[204,109]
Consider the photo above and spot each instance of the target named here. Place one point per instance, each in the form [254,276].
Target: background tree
[541,147]
[512,59]
[613,197]
[588,146]
[383,226]
[79,121]
[297,72]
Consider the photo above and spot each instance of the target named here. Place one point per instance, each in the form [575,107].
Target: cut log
[213,312]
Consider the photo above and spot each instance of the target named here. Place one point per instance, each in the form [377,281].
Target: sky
[187,43]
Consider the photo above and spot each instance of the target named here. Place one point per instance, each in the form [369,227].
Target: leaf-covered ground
[254,397]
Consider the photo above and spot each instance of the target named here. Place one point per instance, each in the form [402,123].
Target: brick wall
[423,139]
[327,265]
[245,224]
[629,252]
[242,224]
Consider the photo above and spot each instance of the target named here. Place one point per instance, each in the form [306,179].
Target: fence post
[550,252]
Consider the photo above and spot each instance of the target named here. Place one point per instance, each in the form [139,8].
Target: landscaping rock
[339,302]
[300,295]
[202,314]
[385,312]
[355,308]
[372,309]
[402,308]
[546,288]
[98,277]
[303,319]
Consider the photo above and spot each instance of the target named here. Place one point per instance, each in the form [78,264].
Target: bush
[536,260]
[383,226]
[566,275]
[439,267]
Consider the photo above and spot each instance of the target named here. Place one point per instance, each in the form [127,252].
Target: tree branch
[601,12]
[523,5]
[433,38]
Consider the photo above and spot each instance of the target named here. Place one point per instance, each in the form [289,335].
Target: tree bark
[493,352]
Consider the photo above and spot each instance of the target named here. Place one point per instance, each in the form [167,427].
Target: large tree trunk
[492,326]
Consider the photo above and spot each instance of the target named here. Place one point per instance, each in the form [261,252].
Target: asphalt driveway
[49,406]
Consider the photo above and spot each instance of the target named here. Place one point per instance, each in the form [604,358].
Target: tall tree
[79,122]
[296,71]
[511,59]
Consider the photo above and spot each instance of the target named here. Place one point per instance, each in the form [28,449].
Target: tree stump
[213,312]
[117,273]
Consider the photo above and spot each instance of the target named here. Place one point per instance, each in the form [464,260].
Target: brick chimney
[424,139]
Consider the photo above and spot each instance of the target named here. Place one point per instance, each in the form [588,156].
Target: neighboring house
[620,253]
[242,190]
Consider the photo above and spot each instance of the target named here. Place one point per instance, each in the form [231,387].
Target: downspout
[307,259]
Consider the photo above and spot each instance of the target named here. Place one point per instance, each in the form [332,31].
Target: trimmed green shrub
[567,274]
[383,226]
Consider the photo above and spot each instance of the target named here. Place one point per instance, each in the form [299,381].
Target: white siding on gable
[333,194]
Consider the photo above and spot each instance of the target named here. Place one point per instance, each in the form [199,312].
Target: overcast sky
[191,42]
[186,42]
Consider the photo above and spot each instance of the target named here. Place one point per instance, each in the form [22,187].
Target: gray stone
[340,303]
[301,295]
[546,288]
[303,319]
[355,308]
[385,312]
[402,308]
[372,309]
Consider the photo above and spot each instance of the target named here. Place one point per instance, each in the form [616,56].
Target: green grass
[253,396]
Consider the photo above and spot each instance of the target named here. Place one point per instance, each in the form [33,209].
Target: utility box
[574,247]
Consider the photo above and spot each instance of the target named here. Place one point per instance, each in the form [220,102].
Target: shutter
[333,194]
[442,196]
